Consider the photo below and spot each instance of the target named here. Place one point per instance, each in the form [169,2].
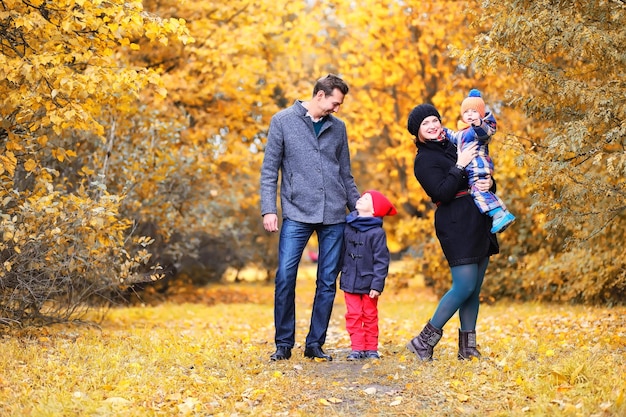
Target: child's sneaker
[355,355]
[502,222]
[371,354]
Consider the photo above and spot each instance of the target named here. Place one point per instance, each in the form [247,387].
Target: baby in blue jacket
[478,125]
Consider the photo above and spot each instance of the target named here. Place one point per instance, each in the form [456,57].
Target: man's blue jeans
[293,239]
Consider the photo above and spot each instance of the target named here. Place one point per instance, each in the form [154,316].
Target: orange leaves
[570,169]
[74,74]
[330,401]
[60,154]
[62,77]
[8,162]
[161,29]
[30,165]
[201,356]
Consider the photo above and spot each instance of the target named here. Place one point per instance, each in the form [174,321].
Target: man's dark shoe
[281,354]
[316,352]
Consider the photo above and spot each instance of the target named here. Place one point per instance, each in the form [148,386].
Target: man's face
[329,103]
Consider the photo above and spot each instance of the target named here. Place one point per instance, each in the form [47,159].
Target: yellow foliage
[9,162]
[574,154]
[165,105]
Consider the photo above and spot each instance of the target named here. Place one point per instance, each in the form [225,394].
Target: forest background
[132,135]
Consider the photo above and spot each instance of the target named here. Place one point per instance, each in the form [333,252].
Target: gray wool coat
[316,184]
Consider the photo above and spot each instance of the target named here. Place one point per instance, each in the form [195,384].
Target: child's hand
[374,293]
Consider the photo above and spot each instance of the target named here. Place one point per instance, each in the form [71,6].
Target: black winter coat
[365,256]
[463,231]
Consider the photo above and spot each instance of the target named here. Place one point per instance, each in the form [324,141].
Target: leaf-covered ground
[203,358]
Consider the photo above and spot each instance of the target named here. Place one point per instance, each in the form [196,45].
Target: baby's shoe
[502,222]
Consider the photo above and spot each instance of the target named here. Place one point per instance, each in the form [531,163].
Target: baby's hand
[374,293]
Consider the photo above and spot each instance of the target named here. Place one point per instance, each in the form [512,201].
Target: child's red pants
[362,321]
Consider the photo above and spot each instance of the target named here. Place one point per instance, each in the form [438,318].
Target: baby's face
[470,116]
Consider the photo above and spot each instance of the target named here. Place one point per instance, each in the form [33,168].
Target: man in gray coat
[309,146]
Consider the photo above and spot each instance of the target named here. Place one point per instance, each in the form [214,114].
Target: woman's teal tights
[464,296]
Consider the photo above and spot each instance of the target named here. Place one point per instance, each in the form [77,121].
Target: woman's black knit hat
[417,116]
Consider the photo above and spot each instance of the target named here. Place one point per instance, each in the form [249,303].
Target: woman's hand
[484,184]
[465,155]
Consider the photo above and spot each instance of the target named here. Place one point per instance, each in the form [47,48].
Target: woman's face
[430,129]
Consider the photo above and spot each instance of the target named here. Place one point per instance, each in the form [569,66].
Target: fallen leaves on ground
[212,359]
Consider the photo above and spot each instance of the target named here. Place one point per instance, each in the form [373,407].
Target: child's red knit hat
[382,206]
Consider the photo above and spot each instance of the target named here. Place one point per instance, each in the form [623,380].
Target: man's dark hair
[328,83]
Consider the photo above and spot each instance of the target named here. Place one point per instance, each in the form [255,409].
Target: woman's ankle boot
[467,345]
[423,344]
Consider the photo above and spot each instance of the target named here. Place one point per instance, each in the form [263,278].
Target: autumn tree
[395,56]
[65,83]
[130,119]
[227,84]
[569,59]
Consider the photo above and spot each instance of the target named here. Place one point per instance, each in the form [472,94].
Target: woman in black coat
[463,231]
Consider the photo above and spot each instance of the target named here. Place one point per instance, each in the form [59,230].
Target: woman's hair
[328,84]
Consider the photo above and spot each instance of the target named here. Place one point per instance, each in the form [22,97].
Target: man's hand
[270,222]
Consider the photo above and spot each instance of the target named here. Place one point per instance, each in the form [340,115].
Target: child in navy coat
[365,263]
